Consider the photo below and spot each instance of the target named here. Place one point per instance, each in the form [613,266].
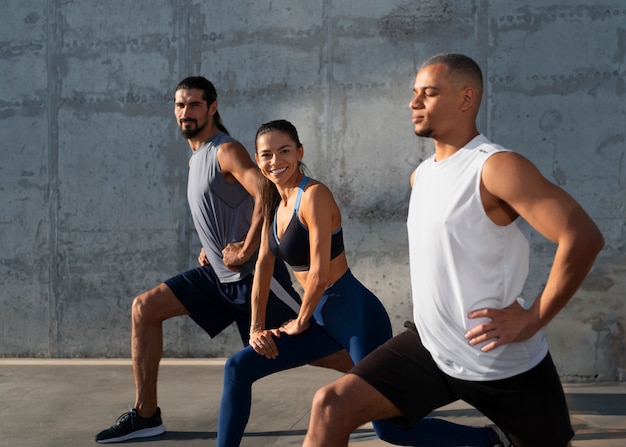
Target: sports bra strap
[296,206]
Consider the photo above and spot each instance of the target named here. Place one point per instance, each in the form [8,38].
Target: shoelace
[130,414]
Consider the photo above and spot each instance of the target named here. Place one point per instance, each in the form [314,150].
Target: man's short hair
[459,66]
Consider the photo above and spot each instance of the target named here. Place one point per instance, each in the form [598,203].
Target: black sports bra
[294,248]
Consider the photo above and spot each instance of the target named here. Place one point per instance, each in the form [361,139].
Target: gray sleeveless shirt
[221,211]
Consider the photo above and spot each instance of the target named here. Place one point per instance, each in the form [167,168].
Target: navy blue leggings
[352,318]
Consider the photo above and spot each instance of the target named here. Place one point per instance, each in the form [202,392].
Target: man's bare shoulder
[232,156]
[232,147]
[508,166]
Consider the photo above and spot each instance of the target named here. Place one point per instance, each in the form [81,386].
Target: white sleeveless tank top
[462,261]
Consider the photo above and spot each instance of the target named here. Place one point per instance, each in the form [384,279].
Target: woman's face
[278,157]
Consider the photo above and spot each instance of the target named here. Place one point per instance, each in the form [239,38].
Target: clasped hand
[233,255]
[262,341]
[509,325]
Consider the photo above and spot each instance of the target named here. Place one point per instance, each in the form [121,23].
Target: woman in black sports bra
[302,226]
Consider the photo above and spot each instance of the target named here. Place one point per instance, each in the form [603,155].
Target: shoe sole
[143,433]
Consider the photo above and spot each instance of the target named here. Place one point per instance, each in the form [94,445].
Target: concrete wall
[93,169]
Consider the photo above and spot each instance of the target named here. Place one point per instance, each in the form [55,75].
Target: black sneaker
[130,425]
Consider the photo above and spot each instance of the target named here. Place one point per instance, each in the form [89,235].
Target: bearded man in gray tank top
[223,182]
[472,204]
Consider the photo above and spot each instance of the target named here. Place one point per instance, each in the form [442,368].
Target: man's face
[434,103]
[191,111]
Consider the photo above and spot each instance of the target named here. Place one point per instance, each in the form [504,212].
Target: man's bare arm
[551,211]
[236,164]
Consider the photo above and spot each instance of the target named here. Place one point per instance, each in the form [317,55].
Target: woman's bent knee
[234,368]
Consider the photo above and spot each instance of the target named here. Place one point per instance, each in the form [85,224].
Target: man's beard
[191,132]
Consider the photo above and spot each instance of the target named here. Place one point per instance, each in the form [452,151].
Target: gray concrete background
[93,169]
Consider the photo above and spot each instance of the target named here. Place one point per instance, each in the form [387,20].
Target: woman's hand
[293,327]
[263,343]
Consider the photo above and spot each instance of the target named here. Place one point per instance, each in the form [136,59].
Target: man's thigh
[404,372]
[163,301]
[211,304]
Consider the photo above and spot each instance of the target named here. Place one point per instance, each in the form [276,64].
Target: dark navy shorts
[530,407]
[214,305]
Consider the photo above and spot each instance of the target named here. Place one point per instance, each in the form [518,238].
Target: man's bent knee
[329,423]
[350,402]
[328,404]
[156,305]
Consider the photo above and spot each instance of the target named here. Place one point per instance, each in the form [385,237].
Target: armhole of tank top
[479,182]
[479,179]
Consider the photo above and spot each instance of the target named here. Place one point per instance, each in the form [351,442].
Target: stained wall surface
[93,168]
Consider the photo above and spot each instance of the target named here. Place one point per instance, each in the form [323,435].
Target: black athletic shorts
[214,305]
[529,407]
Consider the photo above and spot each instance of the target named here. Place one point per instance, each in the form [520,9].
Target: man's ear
[213,108]
[468,98]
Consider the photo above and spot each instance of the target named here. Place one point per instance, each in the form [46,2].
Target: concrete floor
[48,403]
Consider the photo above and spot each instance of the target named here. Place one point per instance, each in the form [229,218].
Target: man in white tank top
[471,208]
